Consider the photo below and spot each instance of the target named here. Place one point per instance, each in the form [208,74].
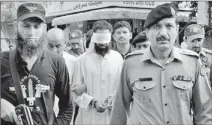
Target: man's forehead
[122,29]
[30,22]
[55,42]
[197,39]
[77,40]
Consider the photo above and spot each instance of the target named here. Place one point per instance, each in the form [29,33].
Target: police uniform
[140,38]
[150,93]
[195,31]
[206,59]
[154,92]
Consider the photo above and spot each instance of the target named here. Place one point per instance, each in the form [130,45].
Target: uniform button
[166,104]
[164,86]
[144,87]
[163,69]
[167,122]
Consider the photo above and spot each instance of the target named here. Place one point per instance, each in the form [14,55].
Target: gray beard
[29,48]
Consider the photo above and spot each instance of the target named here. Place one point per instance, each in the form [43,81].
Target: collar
[202,53]
[114,46]
[148,55]
[19,59]
[175,54]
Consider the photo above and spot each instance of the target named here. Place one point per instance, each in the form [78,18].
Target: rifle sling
[15,76]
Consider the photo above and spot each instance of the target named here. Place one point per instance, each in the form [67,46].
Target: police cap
[160,12]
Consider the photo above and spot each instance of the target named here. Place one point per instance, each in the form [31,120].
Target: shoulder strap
[189,53]
[15,76]
[136,52]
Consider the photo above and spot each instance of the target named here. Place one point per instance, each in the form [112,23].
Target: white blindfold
[101,38]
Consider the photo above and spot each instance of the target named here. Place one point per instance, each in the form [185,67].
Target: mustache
[163,38]
[196,47]
[100,50]
[121,38]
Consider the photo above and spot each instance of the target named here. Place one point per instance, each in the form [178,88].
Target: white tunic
[100,75]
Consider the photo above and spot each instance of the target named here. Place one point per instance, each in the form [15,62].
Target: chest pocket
[184,85]
[144,85]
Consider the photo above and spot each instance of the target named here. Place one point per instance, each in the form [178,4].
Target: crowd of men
[113,81]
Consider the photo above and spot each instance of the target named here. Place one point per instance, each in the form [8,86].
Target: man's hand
[78,89]
[100,107]
[8,112]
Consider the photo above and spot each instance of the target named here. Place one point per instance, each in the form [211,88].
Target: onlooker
[36,72]
[98,69]
[76,43]
[122,35]
[88,37]
[140,42]
[56,44]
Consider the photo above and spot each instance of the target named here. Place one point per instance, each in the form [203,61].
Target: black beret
[27,10]
[160,12]
[140,38]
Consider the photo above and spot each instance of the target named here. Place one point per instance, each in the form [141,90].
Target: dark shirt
[48,76]
[113,46]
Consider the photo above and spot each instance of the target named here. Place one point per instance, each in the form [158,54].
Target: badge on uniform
[181,78]
[203,70]
[204,59]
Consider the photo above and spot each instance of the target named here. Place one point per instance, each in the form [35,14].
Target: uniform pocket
[184,91]
[144,85]
[184,85]
[144,92]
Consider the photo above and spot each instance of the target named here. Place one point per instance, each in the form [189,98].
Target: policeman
[194,37]
[76,43]
[140,41]
[158,83]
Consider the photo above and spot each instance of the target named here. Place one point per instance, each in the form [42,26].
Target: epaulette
[133,53]
[189,52]
[207,50]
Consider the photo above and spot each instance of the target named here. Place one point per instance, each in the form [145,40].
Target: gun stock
[24,115]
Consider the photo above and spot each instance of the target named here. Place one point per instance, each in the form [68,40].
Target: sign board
[62,8]
[8,9]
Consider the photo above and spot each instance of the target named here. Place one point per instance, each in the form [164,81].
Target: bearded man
[36,72]
[98,69]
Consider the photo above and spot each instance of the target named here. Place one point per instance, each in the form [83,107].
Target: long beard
[30,47]
[101,51]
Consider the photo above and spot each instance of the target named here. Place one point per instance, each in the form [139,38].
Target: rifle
[22,110]
[24,115]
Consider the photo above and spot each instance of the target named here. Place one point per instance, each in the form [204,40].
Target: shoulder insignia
[137,52]
[207,50]
[189,53]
